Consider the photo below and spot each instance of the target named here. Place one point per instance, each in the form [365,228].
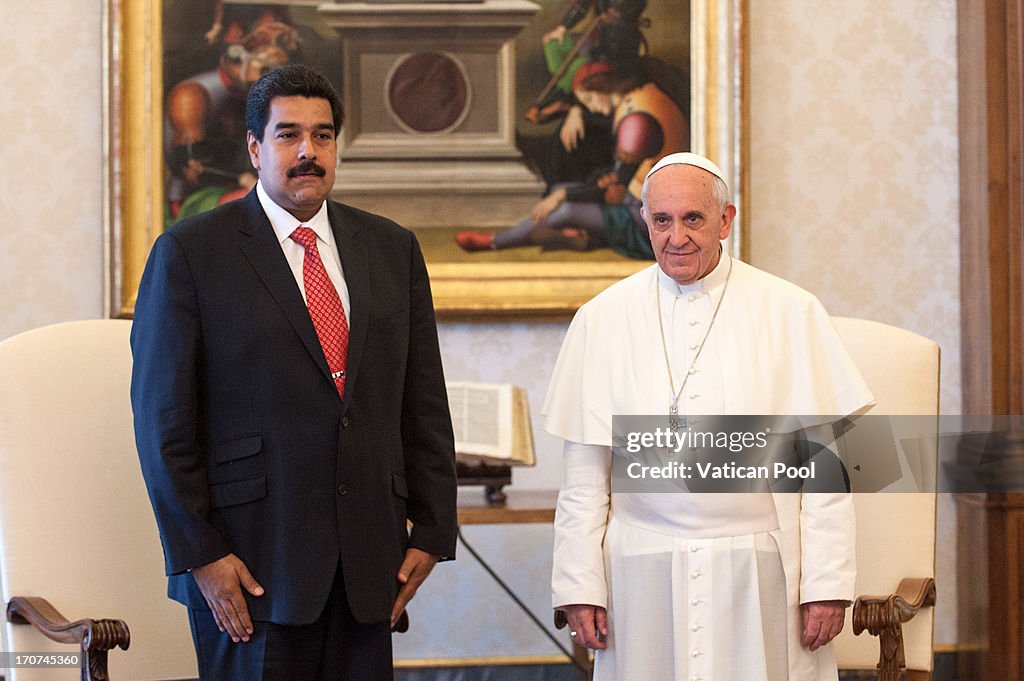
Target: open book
[491,424]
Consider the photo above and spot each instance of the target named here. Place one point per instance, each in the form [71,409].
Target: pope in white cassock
[712,587]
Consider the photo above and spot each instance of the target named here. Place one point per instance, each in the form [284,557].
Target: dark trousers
[333,648]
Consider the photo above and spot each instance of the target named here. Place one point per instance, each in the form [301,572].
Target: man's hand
[557,33]
[823,620]
[415,568]
[247,180]
[590,622]
[573,128]
[221,583]
[546,206]
[193,171]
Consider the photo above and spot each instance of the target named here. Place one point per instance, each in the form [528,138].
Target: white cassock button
[694,549]
[695,574]
[693,371]
[696,653]
[694,396]
[694,322]
[696,601]
[693,296]
[696,627]
[695,346]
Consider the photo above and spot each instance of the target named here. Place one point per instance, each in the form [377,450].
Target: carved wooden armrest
[95,637]
[883,616]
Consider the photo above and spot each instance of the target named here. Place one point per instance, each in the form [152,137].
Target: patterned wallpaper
[854,176]
[854,173]
[854,196]
[51,164]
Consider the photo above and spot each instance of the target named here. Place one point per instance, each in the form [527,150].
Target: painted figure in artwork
[584,142]
[623,109]
[647,101]
[204,114]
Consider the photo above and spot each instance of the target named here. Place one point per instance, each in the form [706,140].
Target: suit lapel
[356,268]
[259,245]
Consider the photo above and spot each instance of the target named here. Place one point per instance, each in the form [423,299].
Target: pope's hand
[823,620]
[590,622]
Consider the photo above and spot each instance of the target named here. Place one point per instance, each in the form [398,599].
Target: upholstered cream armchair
[895,529]
[77,537]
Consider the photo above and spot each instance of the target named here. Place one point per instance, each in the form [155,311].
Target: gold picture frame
[133,115]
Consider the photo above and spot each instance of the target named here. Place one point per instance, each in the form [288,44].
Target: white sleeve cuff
[581,517]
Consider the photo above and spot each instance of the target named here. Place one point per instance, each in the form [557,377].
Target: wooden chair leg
[582,657]
[884,616]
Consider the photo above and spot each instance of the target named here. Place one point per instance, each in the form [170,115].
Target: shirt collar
[706,284]
[284,223]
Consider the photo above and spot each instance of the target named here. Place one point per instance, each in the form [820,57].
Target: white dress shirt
[284,223]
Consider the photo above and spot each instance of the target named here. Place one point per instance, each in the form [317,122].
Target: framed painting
[499,131]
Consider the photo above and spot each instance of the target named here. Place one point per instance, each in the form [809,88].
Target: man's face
[298,153]
[685,222]
[596,102]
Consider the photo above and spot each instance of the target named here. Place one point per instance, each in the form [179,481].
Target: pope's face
[298,153]
[685,222]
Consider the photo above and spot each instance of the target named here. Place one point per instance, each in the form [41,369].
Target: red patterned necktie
[325,307]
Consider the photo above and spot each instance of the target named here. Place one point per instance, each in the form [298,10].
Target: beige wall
[854,161]
[854,187]
[51,258]
[854,176]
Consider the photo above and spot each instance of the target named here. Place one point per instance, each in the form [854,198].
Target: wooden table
[522,506]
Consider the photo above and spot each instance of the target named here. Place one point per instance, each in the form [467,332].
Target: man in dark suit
[290,411]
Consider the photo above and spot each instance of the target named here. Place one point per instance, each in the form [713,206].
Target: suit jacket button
[342,490]
[344,422]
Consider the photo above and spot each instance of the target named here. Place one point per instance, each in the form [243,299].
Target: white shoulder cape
[780,356]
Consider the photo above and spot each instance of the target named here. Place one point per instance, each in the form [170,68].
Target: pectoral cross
[675,421]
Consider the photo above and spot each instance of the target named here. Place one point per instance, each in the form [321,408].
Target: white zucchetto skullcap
[688,159]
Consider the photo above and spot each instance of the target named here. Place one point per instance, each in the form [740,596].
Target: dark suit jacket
[244,442]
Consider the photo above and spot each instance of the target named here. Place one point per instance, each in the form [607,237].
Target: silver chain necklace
[674,422]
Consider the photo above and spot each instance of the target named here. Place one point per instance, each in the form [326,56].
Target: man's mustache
[305,168]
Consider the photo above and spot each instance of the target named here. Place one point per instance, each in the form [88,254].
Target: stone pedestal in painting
[429,92]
